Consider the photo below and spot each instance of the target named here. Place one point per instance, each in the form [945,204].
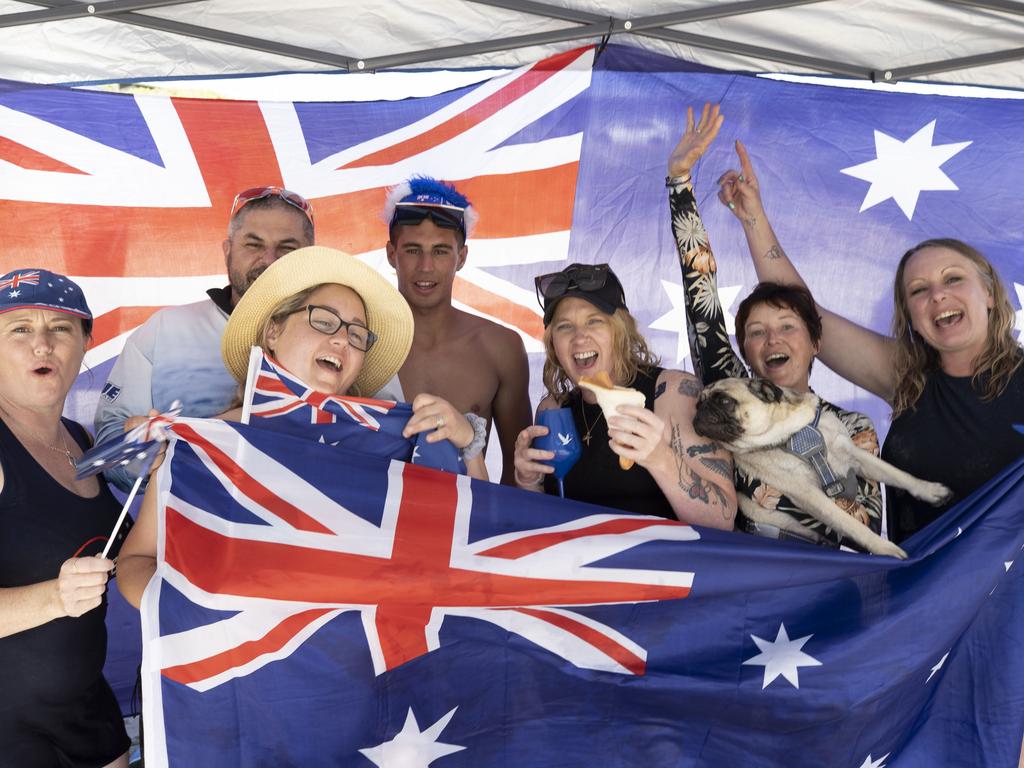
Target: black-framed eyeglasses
[444,216]
[326,321]
[588,277]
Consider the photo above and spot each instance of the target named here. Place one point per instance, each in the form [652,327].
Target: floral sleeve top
[714,359]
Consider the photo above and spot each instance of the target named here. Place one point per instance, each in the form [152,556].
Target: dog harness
[809,444]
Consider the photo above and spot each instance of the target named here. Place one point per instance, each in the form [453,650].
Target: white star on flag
[412,748]
[869,763]
[902,170]
[14,294]
[675,319]
[1007,565]
[938,666]
[1019,325]
[783,657]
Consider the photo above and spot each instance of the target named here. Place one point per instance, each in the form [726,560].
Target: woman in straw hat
[339,326]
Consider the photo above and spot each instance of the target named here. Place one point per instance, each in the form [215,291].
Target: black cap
[595,283]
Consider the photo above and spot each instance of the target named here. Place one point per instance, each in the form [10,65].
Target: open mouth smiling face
[778,346]
[581,335]
[948,301]
[327,363]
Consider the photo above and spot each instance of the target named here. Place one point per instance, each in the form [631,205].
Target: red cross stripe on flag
[314,559]
[150,202]
[22,278]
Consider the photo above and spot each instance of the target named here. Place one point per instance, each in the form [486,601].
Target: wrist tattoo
[689,387]
[750,221]
[774,253]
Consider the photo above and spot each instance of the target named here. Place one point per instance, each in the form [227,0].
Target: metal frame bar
[216,36]
[589,25]
[949,65]
[1006,6]
[82,10]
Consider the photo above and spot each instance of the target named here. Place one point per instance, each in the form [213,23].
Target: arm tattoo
[660,390]
[697,450]
[774,253]
[750,221]
[689,387]
[696,487]
[718,466]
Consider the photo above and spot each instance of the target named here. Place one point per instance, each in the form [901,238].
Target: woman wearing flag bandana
[56,708]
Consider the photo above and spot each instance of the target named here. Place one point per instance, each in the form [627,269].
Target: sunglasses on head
[589,277]
[293,199]
[442,216]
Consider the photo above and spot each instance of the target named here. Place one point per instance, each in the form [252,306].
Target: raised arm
[694,474]
[712,354]
[856,353]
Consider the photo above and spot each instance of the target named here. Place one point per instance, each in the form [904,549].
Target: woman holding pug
[589,331]
[778,331]
[57,709]
[952,371]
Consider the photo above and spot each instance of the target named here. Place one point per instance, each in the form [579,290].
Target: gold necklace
[31,433]
[590,429]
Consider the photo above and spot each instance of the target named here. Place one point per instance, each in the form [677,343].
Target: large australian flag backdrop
[308,610]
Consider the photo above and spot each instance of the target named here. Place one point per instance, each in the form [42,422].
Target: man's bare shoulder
[496,337]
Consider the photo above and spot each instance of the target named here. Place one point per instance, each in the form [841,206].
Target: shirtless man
[477,365]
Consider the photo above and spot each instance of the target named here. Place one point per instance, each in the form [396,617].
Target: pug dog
[754,419]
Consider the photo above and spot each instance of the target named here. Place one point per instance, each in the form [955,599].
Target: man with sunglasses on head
[477,365]
[175,354]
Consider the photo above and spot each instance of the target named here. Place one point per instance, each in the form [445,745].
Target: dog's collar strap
[809,445]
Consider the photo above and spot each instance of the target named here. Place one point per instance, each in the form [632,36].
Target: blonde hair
[289,306]
[915,360]
[630,353]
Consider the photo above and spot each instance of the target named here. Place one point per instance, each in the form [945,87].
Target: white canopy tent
[975,42]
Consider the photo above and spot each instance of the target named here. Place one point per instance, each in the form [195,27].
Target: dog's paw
[890,549]
[935,494]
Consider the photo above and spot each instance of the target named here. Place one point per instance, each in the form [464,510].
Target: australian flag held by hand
[134,451]
[281,401]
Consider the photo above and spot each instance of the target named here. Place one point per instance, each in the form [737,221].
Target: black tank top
[597,478]
[42,524]
[954,437]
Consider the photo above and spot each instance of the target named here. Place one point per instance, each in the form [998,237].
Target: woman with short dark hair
[778,332]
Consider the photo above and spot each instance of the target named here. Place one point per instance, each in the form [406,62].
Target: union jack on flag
[149,180]
[281,401]
[261,554]
[21,278]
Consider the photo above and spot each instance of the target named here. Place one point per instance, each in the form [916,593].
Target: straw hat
[387,312]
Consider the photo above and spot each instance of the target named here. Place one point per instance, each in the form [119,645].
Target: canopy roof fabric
[974,42]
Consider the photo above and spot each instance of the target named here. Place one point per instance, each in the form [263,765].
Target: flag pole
[124,512]
[255,358]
